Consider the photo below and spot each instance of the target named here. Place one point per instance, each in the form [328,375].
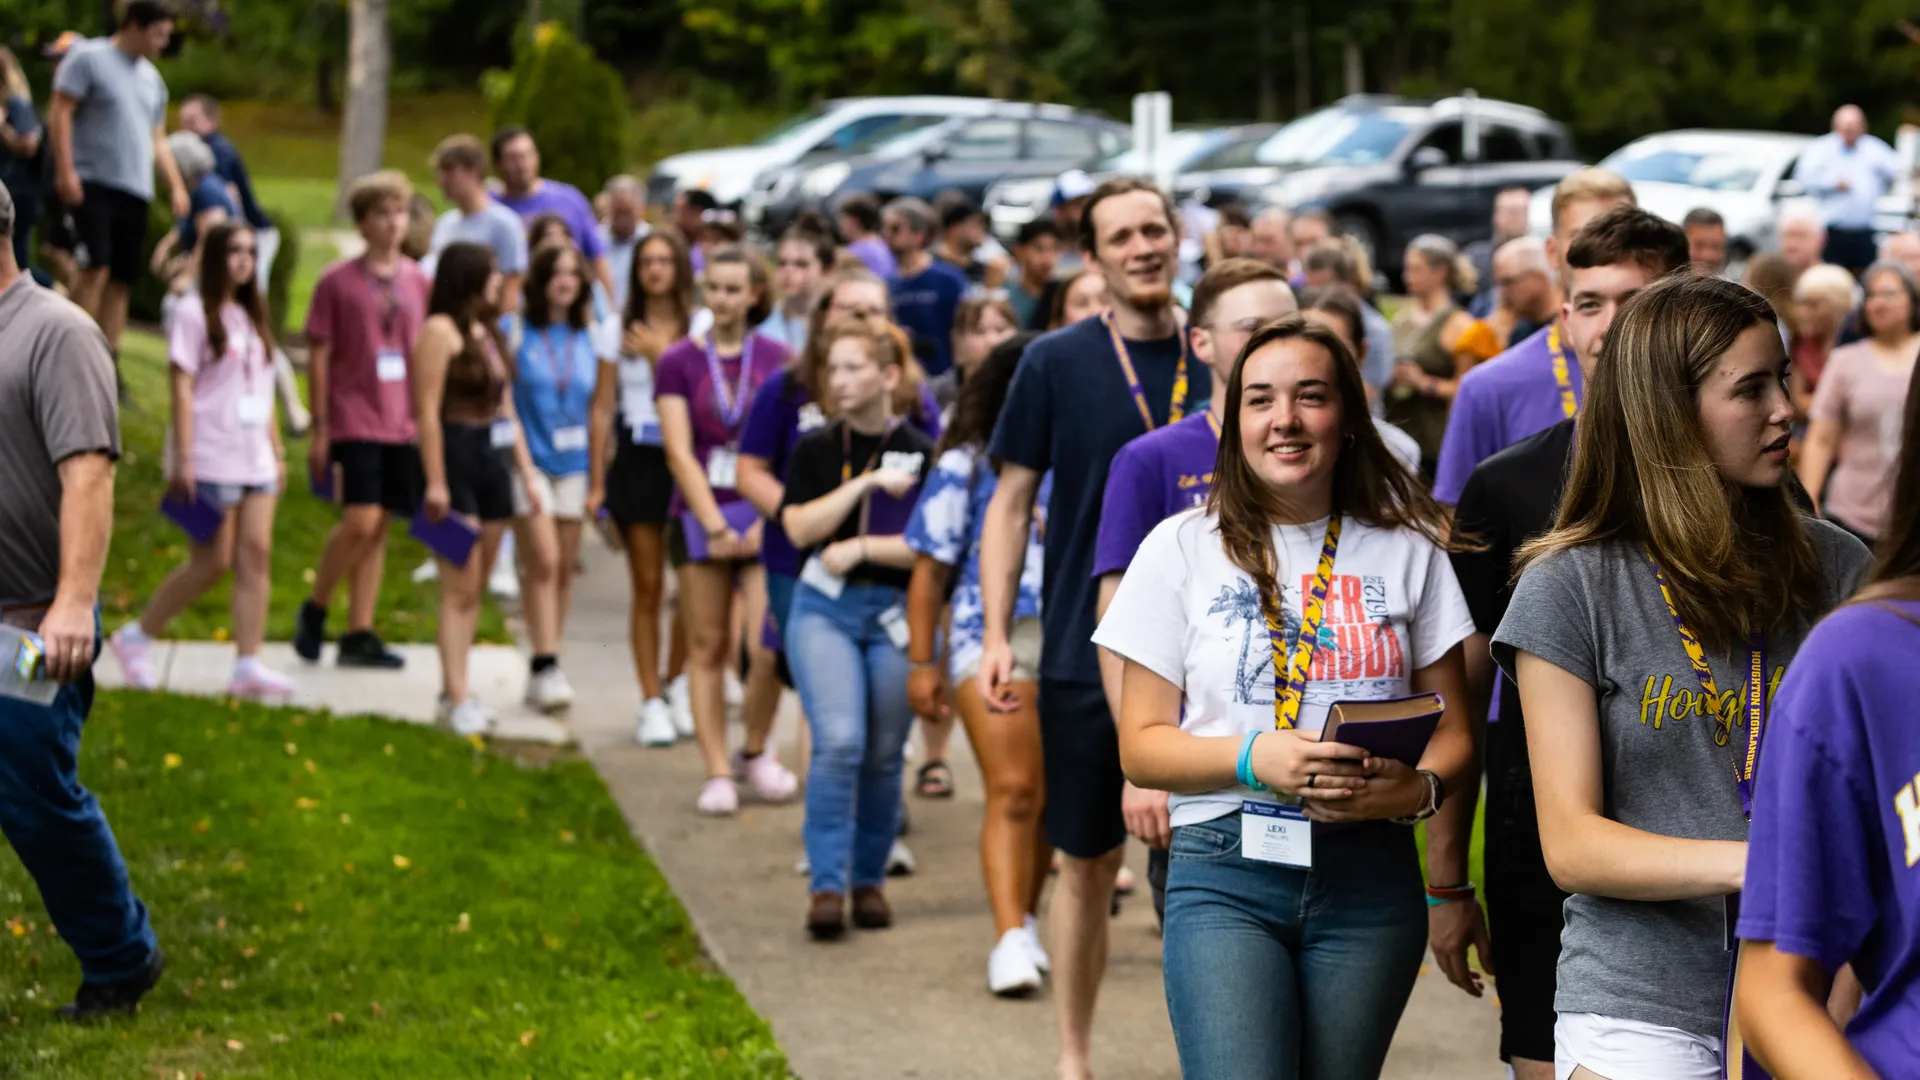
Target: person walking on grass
[365,315]
[59,438]
[225,450]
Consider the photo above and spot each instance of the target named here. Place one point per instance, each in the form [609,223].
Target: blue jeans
[1274,973]
[62,837]
[853,684]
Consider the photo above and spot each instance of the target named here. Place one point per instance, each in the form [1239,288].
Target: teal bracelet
[1436,901]
[1245,767]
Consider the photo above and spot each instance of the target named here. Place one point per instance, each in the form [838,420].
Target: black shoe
[309,631]
[97,999]
[364,649]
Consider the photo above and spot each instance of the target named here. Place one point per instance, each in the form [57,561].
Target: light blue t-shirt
[786,330]
[121,99]
[494,226]
[946,526]
[554,370]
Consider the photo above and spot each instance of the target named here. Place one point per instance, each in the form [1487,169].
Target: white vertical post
[1152,127]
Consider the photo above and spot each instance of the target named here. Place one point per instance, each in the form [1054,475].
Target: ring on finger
[1312,778]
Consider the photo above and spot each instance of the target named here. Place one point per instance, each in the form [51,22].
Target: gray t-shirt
[495,226]
[121,99]
[56,400]
[1666,761]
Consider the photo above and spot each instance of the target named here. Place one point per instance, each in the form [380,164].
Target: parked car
[779,194]
[728,173]
[1389,169]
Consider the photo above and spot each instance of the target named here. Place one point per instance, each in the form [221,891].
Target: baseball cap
[1073,184]
[59,46]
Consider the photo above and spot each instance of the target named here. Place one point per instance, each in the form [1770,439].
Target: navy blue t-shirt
[227,163]
[923,305]
[1069,410]
[210,192]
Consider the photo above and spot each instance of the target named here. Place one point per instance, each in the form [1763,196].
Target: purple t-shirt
[1500,402]
[556,197]
[873,251]
[682,372]
[1153,478]
[782,413]
[1831,857]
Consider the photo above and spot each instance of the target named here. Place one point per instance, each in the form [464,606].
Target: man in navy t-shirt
[1080,394]
[925,290]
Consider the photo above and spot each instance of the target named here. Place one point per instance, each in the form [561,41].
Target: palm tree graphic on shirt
[1240,603]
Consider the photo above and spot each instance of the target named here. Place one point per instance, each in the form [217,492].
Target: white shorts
[562,497]
[1621,1049]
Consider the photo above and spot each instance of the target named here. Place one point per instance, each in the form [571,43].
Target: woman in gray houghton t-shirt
[1636,775]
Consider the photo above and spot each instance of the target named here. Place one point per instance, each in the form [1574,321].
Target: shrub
[574,104]
[280,280]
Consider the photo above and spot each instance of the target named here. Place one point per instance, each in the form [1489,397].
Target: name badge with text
[894,619]
[391,366]
[723,467]
[253,410]
[566,440]
[822,580]
[503,434]
[1270,832]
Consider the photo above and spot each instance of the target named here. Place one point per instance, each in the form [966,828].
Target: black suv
[1389,169]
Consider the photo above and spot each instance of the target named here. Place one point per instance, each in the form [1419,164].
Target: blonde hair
[366,194]
[1593,184]
[13,81]
[1442,254]
[1825,280]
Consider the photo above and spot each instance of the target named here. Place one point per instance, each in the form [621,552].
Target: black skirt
[639,484]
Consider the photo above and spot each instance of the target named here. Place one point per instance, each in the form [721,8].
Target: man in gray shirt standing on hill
[59,437]
[108,128]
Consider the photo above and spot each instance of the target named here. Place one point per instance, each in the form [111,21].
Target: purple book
[321,483]
[450,538]
[740,517]
[198,517]
[1397,728]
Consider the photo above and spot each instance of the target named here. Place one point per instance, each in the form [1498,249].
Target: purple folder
[740,516]
[321,483]
[200,518]
[450,538]
[1398,728]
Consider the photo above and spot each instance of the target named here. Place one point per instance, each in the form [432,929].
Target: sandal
[934,781]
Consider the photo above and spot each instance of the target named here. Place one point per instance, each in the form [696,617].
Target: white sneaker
[900,861]
[656,726]
[1010,968]
[803,866]
[426,571]
[680,703]
[1034,949]
[549,691]
[504,582]
[470,718]
[736,693]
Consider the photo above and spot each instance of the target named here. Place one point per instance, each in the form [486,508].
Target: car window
[1236,154]
[854,132]
[987,140]
[1713,169]
[885,134]
[1499,145]
[1446,137]
[794,123]
[1338,137]
[1053,139]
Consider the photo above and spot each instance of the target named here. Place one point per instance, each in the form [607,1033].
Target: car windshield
[1182,147]
[794,123]
[1334,137]
[1237,153]
[1709,168]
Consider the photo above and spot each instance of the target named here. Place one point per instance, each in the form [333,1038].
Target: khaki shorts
[562,497]
[1025,640]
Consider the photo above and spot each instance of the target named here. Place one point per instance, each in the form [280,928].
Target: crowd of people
[1142,515]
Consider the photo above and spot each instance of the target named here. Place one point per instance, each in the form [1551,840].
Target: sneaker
[549,691]
[504,582]
[1031,928]
[870,908]
[96,999]
[680,703]
[134,650]
[736,693]
[1011,971]
[718,797]
[364,649]
[771,781]
[426,571]
[656,726]
[309,631]
[900,861]
[260,684]
[1123,882]
[470,718]
[803,866]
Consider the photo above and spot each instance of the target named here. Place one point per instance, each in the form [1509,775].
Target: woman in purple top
[1833,860]
[704,388]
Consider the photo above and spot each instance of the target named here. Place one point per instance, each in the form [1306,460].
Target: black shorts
[1525,914]
[479,483]
[1081,756]
[386,475]
[113,226]
[639,485]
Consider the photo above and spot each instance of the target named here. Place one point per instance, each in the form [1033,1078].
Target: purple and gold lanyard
[732,411]
[1756,693]
[1177,407]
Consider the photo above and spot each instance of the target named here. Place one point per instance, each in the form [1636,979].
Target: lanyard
[1567,402]
[730,411]
[1214,423]
[1756,691]
[389,301]
[1177,407]
[1287,690]
[562,372]
[846,466]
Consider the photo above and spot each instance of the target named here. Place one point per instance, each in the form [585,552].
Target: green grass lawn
[356,898]
[146,546]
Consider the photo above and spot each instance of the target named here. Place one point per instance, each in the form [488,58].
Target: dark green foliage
[574,105]
[281,277]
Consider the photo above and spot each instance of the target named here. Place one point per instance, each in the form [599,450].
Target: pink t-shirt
[1867,400]
[232,396]
[363,319]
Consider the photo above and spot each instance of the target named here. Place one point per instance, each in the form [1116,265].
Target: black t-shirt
[815,469]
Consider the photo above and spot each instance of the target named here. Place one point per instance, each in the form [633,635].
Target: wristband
[1244,769]
[923,665]
[1446,894]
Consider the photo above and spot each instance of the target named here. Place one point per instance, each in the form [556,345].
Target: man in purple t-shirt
[516,160]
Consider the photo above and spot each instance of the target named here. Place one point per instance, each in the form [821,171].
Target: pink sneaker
[771,781]
[263,683]
[136,660]
[718,797]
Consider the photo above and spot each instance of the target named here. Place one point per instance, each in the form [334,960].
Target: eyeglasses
[238,250]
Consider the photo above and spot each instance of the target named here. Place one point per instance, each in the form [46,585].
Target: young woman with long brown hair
[1645,634]
[1294,965]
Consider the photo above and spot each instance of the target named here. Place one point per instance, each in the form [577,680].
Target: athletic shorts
[479,480]
[1525,911]
[1081,749]
[639,485]
[1025,642]
[1622,1049]
[386,475]
[561,497]
[228,496]
[113,226]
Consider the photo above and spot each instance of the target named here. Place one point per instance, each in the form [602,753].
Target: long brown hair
[1369,483]
[1739,560]
[540,271]
[214,284]
[1896,573]
[682,294]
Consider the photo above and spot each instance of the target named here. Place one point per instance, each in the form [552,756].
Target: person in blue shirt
[1848,172]
[925,290]
[207,205]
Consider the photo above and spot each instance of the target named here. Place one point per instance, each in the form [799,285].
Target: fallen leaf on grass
[379,1009]
[476,742]
[346,819]
[566,836]
[348,868]
[305,803]
[401,862]
[306,575]
[276,1038]
[299,719]
[527,1037]
[311,767]
[292,749]
[249,952]
[220,633]
[465,924]
[387,749]
[203,825]
[236,1045]
[336,1019]
[171,761]
[19,926]
[651,1015]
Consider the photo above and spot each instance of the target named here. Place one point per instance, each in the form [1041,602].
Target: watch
[1435,793]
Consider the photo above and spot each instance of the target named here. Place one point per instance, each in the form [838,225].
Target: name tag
[503,434]
[568,439]
[1270,832]
[811,417]
[822,580]
[646,433]
[723,468]
[390,366]
[894,621]
[908,463]
[253,410]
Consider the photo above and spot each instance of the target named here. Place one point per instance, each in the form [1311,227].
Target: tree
[363,127]
[572,103]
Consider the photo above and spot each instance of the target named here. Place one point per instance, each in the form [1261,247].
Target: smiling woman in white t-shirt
[1295,964]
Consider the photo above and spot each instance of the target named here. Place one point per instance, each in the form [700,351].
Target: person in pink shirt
[225,450]
[366,314]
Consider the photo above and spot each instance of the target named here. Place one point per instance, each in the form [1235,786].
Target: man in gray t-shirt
[59,436]
[461,165]
[108,130]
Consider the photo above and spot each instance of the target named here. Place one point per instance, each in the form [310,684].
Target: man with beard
[1080,394]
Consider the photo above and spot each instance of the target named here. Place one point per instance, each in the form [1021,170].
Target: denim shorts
[228,496]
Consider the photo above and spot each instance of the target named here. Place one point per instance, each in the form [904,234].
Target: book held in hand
[1397,728]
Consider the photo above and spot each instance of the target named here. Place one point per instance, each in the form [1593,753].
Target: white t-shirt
[1187,614]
